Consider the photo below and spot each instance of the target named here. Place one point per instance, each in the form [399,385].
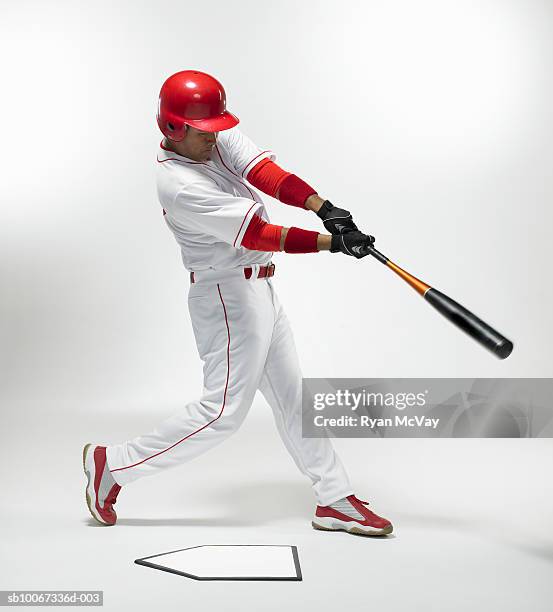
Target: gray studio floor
[473,520]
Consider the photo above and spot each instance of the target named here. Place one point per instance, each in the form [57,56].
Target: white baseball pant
[245,341]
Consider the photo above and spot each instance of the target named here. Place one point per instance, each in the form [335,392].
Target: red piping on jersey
[161,161]
[242,224]
[184,161]
[222,406]
[251,162]
[221,158]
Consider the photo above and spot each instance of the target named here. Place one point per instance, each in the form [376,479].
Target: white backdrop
[431,121]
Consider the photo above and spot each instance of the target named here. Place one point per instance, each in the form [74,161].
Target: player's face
[198,144]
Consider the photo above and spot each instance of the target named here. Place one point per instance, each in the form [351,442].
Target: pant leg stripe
[222,405]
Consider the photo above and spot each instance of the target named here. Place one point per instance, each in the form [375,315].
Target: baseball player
[208,174]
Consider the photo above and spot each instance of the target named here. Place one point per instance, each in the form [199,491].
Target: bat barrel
[468,322]
[465,320]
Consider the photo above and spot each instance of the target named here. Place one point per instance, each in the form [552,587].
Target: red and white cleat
[352,515]
[101,488]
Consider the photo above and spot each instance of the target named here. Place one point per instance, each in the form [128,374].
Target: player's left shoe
[101,488]
[352,515]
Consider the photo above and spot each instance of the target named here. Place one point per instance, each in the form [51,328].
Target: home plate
[229,562]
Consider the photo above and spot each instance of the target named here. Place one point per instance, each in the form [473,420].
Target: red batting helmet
[192,98]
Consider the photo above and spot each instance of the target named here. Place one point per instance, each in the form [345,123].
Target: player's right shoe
[352,515]
[101,488]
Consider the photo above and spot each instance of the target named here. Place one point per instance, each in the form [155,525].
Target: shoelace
[365,503]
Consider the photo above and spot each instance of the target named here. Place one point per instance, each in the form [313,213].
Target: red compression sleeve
[262,236]
[301,241]
[294,191]
[271,179]
[267,177]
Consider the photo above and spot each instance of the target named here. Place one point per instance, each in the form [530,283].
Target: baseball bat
[464,319]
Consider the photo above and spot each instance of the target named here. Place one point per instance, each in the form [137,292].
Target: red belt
[264,272]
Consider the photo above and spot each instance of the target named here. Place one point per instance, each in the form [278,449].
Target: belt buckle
[270,270]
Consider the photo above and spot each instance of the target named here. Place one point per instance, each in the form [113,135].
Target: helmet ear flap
[172,132]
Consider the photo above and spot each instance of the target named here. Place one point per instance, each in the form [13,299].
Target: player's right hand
[354,244]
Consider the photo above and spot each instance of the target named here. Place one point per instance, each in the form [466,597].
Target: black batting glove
[356,244]
[336,220]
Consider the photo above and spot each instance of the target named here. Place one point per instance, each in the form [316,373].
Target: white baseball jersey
[209,205]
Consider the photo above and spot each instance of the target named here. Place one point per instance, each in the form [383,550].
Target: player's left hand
[336,220]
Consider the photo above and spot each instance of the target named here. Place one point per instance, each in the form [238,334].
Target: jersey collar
[165,154]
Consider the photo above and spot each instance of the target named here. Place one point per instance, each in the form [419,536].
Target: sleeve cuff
[263,155]
[255,207]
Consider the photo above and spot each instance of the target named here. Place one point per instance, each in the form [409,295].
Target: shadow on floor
[543,551]
[248,505]
[439,521]
[264,501]
[484,528]
[225,521]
